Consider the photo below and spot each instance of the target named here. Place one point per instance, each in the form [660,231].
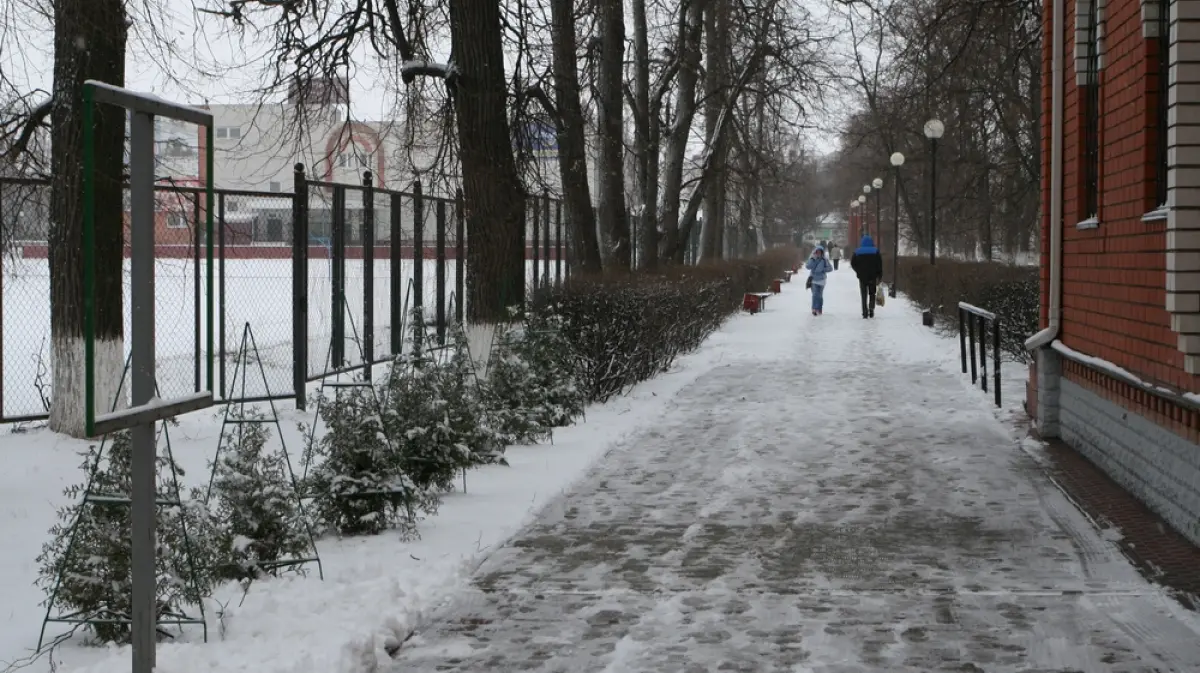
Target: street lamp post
[863,200]
[897,161]
[851,230]
[934,129]
[877,184]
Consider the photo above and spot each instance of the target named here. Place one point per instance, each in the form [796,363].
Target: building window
[229,132]
[1163,42]
[1088,50]
[276,187]
[176,220]
[231,206]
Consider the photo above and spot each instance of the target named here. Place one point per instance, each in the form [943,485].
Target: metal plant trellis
[248,350]
[91,498]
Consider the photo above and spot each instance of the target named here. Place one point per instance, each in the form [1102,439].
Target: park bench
[787,276]
[754,301]
[776,286]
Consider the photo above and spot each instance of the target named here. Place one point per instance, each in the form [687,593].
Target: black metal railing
[976,325]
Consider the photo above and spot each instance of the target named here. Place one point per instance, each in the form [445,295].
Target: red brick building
[1119,357]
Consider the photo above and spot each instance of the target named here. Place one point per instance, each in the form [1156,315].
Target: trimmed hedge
[1011,292]
[624,329]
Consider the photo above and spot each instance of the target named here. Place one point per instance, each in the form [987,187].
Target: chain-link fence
[25,317]
[325,277]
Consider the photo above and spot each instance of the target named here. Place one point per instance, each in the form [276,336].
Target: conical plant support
[92,498]
[248,349]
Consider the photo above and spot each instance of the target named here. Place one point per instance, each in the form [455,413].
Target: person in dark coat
[868,266]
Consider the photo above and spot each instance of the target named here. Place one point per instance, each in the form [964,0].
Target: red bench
[754,301]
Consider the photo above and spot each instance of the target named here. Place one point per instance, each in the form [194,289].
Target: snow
[824,494]
[1116,371]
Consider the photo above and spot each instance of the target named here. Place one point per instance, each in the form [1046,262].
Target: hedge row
[624,329]
[1009,291]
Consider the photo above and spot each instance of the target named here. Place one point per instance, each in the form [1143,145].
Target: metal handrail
[969,317]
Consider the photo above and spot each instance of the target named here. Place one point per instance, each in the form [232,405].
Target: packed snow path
[829,502]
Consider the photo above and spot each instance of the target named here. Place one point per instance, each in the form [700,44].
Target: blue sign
[540,139]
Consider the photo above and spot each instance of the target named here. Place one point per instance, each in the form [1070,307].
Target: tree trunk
[572,140]
[614,218]
[89,43]
[716,89]
[645,140]
[493,194]
[673,246]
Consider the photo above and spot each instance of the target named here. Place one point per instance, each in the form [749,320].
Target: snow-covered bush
[359,484]
[255,499]
[417,420]
[90,547]
[467,416]
[531,385]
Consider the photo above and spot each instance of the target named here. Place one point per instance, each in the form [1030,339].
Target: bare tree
[90,39]
[316,38]
[976,66]
[572,141]
[716,91]
[610,105]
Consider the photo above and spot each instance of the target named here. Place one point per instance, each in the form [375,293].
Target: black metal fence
[976,325]
[326,276]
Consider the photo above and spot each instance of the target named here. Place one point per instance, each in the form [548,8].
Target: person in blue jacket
[819,269]
[868,266]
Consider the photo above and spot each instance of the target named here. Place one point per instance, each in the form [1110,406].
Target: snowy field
[377,590]
[257,291]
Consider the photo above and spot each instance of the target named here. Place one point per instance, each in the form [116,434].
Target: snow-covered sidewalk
[828,497]
[802,494]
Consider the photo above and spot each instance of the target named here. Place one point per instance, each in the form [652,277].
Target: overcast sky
[197,58]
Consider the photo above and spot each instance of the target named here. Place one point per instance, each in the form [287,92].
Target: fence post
[545,240]
[996,356]
[537,219]
[459,254]
[440,267]
[368,244]
[418,250]
[299,286]
[962,337]
[971,335]
[395,272]
[558,242]
[337,297]
[221,286]
[983,352]
[196,294]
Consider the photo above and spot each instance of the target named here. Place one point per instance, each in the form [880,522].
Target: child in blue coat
[819,269]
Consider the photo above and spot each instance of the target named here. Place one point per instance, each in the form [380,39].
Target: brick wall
[1117,270]
[1114,273]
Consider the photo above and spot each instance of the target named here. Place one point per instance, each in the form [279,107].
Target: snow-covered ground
[822,495]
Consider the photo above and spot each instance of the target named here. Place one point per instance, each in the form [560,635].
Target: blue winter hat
[867,247]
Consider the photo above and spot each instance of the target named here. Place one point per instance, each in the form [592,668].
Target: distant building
[830,227]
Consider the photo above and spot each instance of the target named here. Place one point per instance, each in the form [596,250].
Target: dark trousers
[866,290]
[835,264]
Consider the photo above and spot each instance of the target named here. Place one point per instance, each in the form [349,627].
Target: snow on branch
[410,70]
